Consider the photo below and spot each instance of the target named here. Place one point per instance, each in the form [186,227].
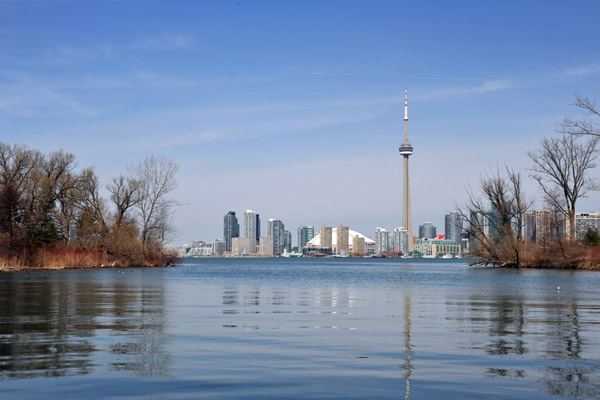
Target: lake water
[300,329]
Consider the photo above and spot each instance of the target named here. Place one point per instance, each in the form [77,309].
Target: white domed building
[314,245]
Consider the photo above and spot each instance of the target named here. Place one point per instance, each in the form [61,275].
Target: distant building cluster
[328,241]
[540,225]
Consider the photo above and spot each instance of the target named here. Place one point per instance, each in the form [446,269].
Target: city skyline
[303,101]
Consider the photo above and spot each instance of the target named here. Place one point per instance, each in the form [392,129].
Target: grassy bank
[69,257]
[556,254]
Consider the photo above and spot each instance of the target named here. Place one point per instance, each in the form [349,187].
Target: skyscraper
[405,151]
[276,230]
[358,245]
[401,240]
[343,239]
[305,234]
[427,231]
[252,227]
[287,242]
[326,237]
[231,229]
[453,226]
[382,240]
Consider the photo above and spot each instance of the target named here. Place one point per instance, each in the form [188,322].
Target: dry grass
[64,256]
[558,253]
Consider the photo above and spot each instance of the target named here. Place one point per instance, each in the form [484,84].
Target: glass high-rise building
[401,240]
[453,226]
[427,231]
[231,229]
[287,243]
[382,240]
[305,234]
[276,230]
[252,228]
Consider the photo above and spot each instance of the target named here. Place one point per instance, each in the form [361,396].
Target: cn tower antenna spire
[405,103]
[405,114]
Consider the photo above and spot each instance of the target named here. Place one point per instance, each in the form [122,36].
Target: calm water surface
[300,328]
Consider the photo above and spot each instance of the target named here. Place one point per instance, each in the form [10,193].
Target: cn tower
[405,151]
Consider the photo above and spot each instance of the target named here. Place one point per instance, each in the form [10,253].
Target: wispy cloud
[489,86]
[583,70]
[21,95]
[165,41]
[66,54]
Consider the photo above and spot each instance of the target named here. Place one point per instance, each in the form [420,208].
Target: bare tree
[124,195]
[17,167]
[561,167]
[156,178]
[495,220]
[91,204]
[586,125]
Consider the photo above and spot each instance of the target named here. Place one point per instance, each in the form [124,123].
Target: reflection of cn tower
[407,365]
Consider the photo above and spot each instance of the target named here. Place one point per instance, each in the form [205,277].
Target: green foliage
[591,237]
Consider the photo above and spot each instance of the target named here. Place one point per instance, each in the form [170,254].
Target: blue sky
[294,109]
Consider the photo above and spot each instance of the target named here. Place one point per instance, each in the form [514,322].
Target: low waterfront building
[314,245]
[242,246]
[219,247]
[585,221]
[266,246]
[437,247]
[200,249]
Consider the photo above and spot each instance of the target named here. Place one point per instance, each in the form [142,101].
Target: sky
[294,109]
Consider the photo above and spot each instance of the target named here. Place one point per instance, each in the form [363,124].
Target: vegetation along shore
[53,215]
[563,168]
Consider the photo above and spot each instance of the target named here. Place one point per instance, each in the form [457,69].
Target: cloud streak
[583,70]
[486,87]
[165,41]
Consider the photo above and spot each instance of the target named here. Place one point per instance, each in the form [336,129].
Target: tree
[591,237]
[586,125]
[124,195]
[17,167]
[561,167]
[91,204]
[495,221]
[155,176]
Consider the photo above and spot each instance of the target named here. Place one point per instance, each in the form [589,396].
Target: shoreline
[9,269]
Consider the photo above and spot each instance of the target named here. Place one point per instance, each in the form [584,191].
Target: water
[300,328]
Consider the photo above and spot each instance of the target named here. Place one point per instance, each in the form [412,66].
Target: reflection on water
[407,365]
[55,327]
[332,301]
[304,329]
[517,327]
